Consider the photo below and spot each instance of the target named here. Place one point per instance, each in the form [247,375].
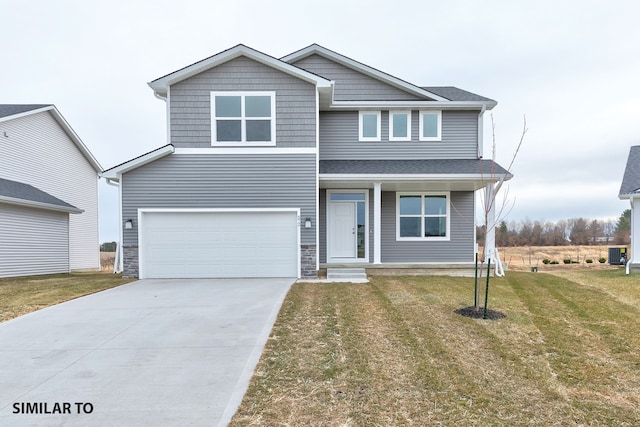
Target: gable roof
[160,85]
[446,95]
[14,111]
[631,179]
[18,193]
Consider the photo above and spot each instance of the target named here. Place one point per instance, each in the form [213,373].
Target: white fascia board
[39,205]
[66,127]
[412,177]
[363,68]
[628,196]
[247,150]
[214,210]
[436,105]
[115,172]
[160,85]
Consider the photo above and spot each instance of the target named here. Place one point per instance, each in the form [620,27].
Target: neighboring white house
[48,194]
[630,190]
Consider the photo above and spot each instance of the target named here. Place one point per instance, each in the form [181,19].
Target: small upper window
[239,118]
[399,125]
[430,125]
[369,126]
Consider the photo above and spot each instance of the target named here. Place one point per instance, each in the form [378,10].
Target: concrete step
[346,273]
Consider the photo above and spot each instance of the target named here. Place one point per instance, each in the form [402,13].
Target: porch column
[377,196]
[490,212]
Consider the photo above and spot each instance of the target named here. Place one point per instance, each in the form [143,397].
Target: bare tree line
[575,231]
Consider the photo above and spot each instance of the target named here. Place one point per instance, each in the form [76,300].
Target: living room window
[430,125]
[369,124]
[399,125]
[422,216]
[243,118]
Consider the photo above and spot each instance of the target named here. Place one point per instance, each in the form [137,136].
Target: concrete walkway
[149,353]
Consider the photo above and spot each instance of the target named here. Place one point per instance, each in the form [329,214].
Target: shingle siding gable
[190,103]
[352,85]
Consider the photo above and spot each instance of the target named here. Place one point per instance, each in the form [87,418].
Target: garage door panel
[219,244]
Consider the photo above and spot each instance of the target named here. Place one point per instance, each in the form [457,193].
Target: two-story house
[48,194]
[281,167]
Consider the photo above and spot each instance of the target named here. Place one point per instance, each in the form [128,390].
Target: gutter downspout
[117,265]
[633,226]
[481,131]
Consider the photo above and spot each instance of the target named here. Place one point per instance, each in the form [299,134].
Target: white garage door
[218,244]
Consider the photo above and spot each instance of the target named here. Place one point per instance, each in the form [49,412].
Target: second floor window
[239,118]
[399,125]
[369,125]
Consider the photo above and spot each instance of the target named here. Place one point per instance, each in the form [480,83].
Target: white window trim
[243,142]
[422,215]
[379,127]
[439,116]
[403,138]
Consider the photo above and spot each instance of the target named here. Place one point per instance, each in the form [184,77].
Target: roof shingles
[631,179]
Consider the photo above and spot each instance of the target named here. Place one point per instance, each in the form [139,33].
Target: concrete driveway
[149,353]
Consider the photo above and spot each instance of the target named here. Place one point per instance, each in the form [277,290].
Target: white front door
[343,229]
[346,226]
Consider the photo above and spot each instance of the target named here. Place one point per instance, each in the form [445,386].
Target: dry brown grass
[393,352]
[22,295]
[524,257]
[107,259]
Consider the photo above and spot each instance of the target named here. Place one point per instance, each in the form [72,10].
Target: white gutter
[117,264]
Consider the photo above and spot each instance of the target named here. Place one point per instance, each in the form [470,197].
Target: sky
[571,68]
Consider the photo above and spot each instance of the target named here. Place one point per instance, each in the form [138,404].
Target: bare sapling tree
[494,210]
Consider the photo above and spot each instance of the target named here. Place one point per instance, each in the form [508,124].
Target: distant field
[106,261]
[524,257]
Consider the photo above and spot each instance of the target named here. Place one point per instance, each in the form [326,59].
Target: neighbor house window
[430,125]
[423,216]
[239,118]
[399,125]
[369,126]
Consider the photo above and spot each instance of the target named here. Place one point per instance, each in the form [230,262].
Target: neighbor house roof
[14,111]
[631,179]
[18,193]
[7,110]
[476,167]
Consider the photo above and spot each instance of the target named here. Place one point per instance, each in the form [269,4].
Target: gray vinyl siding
[352,85]
[34,241]
[222,181]
[190,103]
[339,138]
[460,248]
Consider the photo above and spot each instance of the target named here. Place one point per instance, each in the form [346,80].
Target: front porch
[407,269]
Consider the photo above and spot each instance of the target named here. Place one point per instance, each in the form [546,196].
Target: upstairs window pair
[243,118]
[430,125]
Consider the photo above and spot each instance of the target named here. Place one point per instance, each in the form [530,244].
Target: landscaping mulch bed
[479,314]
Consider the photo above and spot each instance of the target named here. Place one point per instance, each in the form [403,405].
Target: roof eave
[449,105]
[39,205]
[115,172]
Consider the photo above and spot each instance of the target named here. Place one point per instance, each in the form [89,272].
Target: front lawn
[393,352]
[22,295]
